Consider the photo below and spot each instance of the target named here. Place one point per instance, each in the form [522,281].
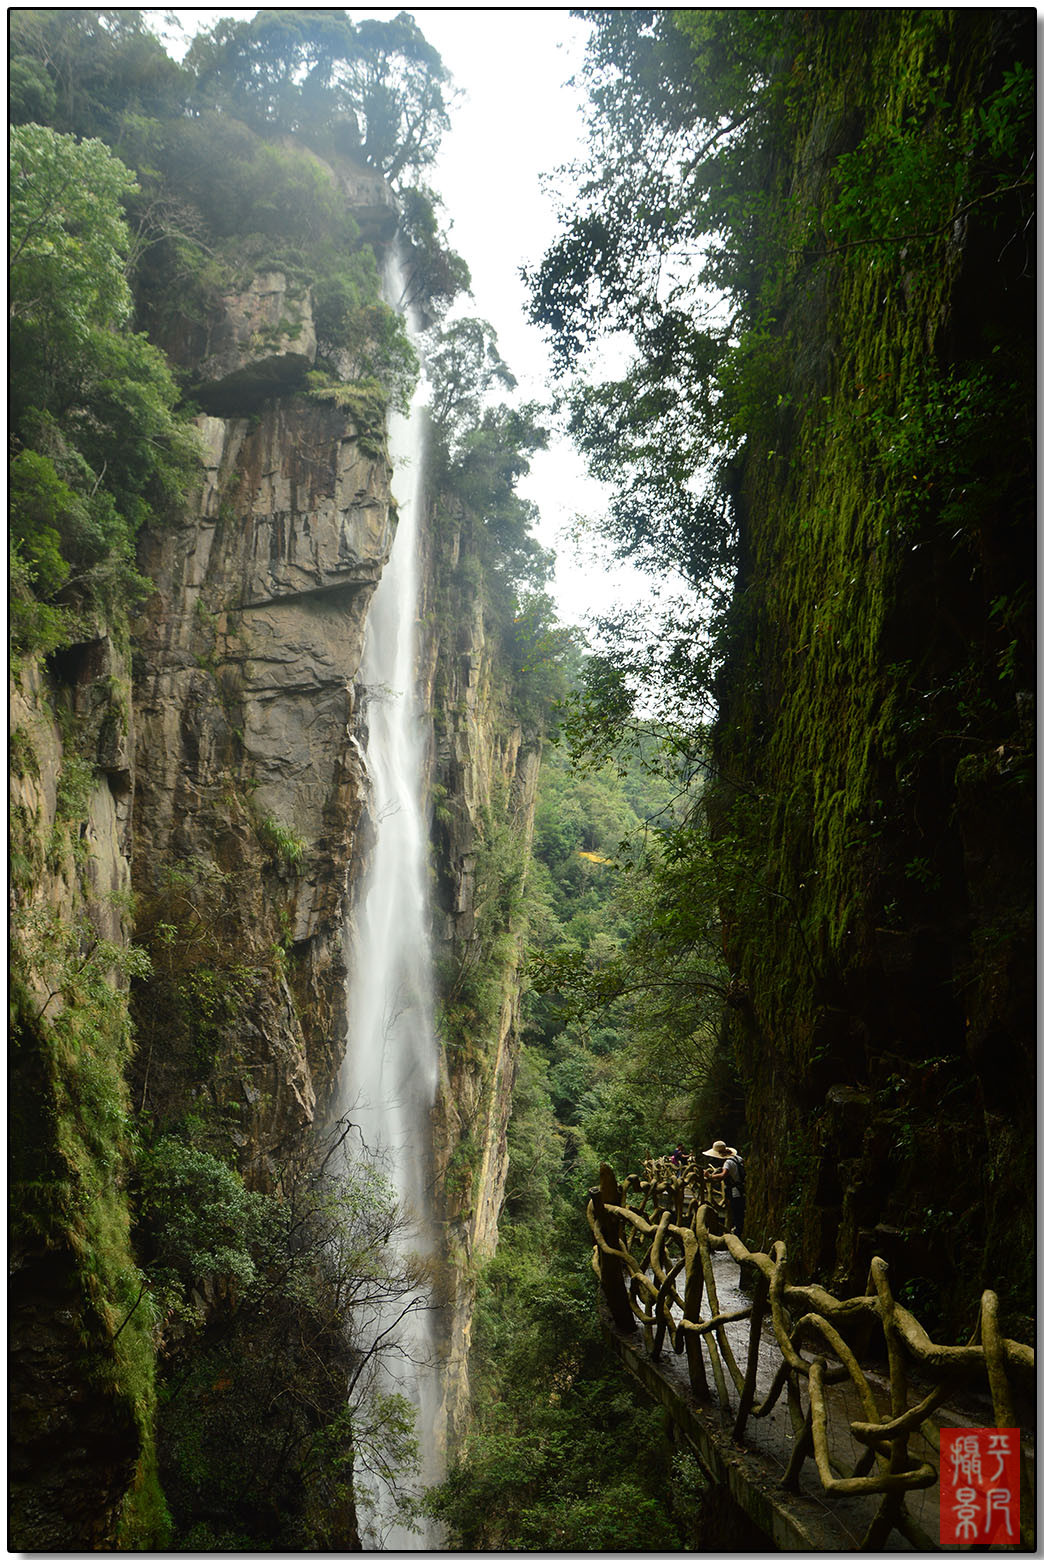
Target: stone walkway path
[772,1437]
[816,1520]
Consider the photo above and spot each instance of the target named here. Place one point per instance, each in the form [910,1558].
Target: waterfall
[389,1078]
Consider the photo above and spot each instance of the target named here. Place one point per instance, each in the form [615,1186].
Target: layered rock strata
[484,776]
[247,756]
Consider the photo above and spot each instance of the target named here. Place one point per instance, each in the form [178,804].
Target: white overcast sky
[515,119]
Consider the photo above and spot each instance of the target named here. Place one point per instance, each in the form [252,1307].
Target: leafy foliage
[437,274]
[561,1453]
[626,948]
[373,86]
[672,239]
[284,844]
[84,71]
[68,237]
[562,1456]
[676,105]
[202,1215]
[100,446]
[462,365]
[481,451]
[267,1304]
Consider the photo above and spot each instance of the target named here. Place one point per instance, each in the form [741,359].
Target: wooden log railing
[654,1238]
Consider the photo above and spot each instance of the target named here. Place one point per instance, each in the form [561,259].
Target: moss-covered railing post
[691,1317]
[607,1262]
[757,1316]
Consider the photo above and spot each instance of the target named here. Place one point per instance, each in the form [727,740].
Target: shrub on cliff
[99,444]
[266,1307]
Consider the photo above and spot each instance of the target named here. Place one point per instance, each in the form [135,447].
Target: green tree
[436,273]
[536,646]
[83,71]
[99,443]
[625,960]
[266,1304]
[375,87]
[493,456]
[480,453]
[397,81]
[463,366]
[648,230]
[68,242]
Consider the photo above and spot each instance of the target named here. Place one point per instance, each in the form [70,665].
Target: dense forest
[761,869]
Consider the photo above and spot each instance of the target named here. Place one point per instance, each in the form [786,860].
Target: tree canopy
[378,88]
[649,247]
[84,71]
[68,236]
[482,449]
[463,365]
[98,443]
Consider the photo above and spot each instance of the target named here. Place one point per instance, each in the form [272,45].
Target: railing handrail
[641,1253]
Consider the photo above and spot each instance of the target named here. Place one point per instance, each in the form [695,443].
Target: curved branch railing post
[757,1316]
[691,1317]
[607,1260]
[641,1251]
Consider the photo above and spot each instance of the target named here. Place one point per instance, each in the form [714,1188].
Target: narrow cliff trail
[807,1519]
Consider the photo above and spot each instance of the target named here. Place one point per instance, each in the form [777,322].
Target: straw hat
[719,1150]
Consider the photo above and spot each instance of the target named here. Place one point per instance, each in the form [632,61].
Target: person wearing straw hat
[730,1171]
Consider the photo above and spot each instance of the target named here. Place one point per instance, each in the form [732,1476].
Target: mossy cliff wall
[484,773]
[190,834]
[250,781]
[877,698]
[80,1366]
[214,770]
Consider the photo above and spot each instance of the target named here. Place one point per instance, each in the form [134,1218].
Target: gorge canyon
[361,911]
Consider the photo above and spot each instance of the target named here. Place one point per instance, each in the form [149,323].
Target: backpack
[738,1177]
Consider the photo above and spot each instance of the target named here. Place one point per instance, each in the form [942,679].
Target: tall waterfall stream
[390,1074]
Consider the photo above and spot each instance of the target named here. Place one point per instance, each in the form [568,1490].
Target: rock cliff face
[250,776]
[224,783]
[76,1417]
[258,341]
[247,757]
[876,719]
[483,785]
[191,827]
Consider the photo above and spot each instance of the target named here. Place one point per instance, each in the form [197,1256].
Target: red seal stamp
[978,1486]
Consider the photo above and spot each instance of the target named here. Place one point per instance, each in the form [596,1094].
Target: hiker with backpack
[734,1175]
